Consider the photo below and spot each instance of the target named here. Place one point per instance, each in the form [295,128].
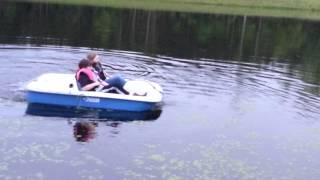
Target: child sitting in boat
[88,80]
[113,81]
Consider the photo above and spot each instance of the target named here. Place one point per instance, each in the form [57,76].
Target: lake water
[241,95]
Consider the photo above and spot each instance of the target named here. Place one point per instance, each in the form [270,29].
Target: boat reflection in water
[97,114]
[85,121]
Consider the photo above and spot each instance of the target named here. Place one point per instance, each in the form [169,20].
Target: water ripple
[203,78]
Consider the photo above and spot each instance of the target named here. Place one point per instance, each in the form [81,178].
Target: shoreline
[299,10]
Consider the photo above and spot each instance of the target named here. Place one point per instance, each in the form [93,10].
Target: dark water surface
[241,101]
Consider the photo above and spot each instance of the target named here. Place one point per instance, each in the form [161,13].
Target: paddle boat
[63,90]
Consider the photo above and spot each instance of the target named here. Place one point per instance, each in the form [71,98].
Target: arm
[106,74]
[90,86]
[102,73]
[102,82]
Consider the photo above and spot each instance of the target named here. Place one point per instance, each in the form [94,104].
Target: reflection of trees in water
[186,35]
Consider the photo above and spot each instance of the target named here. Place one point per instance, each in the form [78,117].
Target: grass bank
[304,9]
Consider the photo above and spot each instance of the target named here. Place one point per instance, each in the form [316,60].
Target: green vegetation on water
[305,9]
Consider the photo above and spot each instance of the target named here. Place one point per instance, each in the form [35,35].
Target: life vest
[86,71]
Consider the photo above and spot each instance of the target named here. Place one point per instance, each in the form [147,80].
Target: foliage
[183,35]
[275,8]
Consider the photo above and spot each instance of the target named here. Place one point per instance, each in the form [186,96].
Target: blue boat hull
[89,102]
[96,114]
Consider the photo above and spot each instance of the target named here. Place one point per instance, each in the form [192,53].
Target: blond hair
[91,56]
